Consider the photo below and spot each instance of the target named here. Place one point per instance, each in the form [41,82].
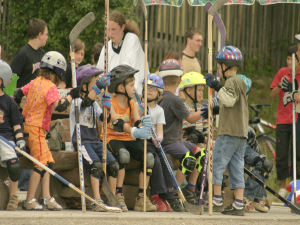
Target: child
[124,133]
[160,182]
[41,98]
[90,111]
[175,112]
[229,149]
[10,128]
[284,120]
[192,85]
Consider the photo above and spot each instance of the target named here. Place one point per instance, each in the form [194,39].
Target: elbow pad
[62,106]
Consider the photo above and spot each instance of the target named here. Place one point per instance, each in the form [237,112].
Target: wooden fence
[263,33]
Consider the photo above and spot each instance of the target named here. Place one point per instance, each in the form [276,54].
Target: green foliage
[61,17]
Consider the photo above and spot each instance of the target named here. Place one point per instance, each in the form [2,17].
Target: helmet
[297,36]
[247,81]
[191,79]
[230,56]
[155,81]
[55,61]
[86,71]
[170,67]
[119,74]
[5,73]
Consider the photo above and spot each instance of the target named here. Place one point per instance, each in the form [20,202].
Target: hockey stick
[211,12]
[78,28]
[294,127]
[259,181]
[53,173]
[145,94]
[189,207]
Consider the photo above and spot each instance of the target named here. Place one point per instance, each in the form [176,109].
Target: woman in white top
[124,47]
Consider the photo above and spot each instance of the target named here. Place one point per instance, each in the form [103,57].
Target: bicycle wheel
[267,146]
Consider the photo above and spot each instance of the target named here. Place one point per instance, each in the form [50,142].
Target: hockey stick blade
[83,23]
[112,199]
[259,181]
[144,9]
[216,6]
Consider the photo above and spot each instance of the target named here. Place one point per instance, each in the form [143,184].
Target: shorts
[229,151]
[92,152]
[6,153]
[38,145]
[179,149]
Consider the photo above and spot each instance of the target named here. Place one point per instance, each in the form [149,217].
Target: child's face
[115,31]
[130,89]
[92,83]
[200,89]
[79,56]
[152,92]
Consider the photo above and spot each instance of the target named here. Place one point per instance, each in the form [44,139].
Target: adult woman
[124,47]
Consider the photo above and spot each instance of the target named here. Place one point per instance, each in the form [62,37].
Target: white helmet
[55,61]
[297,36]
[5,73]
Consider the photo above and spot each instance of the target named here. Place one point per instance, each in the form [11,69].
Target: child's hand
[106,101]
[288,97]
[215,106]
[75,93]
[21,144]
[212,82]
[287,86]
[104,81]
[143,132]
[146,121]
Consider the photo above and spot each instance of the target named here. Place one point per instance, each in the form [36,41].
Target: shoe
[260,206]
[159,203]
[283,192]
[231,210]
[218,206]
[190,196]
[32,205]
[139,205]
[249,205]
[121,200]
[12,204]
[51,204]
[97,208]
[169,209]
[176,205]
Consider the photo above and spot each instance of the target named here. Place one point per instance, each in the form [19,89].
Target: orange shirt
[40,93]
[122,113]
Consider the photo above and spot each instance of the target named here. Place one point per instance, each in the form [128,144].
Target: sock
[238,204]
[119,190]
[191,187]
[141,192]
[218,200]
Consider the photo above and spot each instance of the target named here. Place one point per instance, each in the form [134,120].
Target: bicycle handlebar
[257,107]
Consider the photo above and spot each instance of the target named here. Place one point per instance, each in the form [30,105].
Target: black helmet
[118,75]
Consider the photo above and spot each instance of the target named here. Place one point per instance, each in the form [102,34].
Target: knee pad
[200,158]
[112,169]
[96,169]
[150,163]
[187,163]
[124,157]
[13,168]
[41,172]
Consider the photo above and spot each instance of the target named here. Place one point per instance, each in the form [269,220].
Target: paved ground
[277,216]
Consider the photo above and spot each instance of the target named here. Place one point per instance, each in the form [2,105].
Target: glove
[104,81]
[212,82]
[288,97]
[75,93]
[106,101]
[143,132]
[146,121]
[251,138]
[215,105]
[196,137]
[286,85]
[21,144]
[155,141]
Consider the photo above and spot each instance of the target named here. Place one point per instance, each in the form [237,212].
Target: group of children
[167,115]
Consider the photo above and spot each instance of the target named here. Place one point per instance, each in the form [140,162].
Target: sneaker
[283,192]
[190,196]
[51,204]
[249,205]
[97,208]
[176,205]
[139,205]
[260,206]
[13,202]
[159,203]
[32,205]
[121,200]
[231,210]
[218,206]
[169,209]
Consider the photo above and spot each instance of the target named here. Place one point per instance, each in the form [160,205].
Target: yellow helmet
[191,79]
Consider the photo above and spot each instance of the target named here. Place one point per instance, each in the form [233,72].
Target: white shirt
[131,54]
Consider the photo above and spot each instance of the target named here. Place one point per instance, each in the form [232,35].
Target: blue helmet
[247,81]
[230,56]
[154,80]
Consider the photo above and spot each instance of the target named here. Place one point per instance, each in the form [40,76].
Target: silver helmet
[5,73]
[55,61]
